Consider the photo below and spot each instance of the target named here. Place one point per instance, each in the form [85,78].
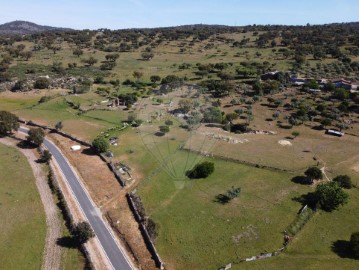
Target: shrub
[202,170]
[164,129]
[45,156]
[300,221]
[151,228]
[295,134]
[42,83]
[44,99]
[169,122]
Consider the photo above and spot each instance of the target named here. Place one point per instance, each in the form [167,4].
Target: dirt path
[324,173]
[52,251]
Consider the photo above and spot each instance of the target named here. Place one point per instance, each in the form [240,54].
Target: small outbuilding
[335,132]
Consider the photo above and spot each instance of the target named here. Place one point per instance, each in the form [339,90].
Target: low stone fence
[303,216]
[151,247]
[252,164]
[113,170]
[33,124]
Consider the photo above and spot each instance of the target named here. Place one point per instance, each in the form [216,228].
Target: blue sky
[91,14]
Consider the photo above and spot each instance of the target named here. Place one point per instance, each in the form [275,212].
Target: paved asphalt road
[113,252]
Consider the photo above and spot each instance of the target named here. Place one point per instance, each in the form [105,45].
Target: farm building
[335,132]
[269,75]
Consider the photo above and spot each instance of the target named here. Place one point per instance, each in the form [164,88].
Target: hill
[24,27]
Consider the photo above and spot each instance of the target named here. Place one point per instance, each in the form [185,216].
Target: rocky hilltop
[24,27]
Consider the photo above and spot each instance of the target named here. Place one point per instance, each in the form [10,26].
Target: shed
[75,147]
[335,132]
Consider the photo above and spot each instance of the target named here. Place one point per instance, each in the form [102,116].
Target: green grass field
[313,246]
[196,232]
[22,223]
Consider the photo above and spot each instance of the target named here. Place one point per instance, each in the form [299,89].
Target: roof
[341,80]
[335,132]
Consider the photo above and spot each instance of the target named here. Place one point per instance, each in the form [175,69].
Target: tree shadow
[320,127]
[303,180]
[222,199]
[40,161]
[342,249]
[67,242]
[89,151]
[307,199]
[26,145]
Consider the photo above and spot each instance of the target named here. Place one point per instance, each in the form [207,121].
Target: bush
[169,122]
[300,221]
[44,99]
[45,156]
[344,181]
[164,129]
[151,228]
[202,170]
[42,83]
